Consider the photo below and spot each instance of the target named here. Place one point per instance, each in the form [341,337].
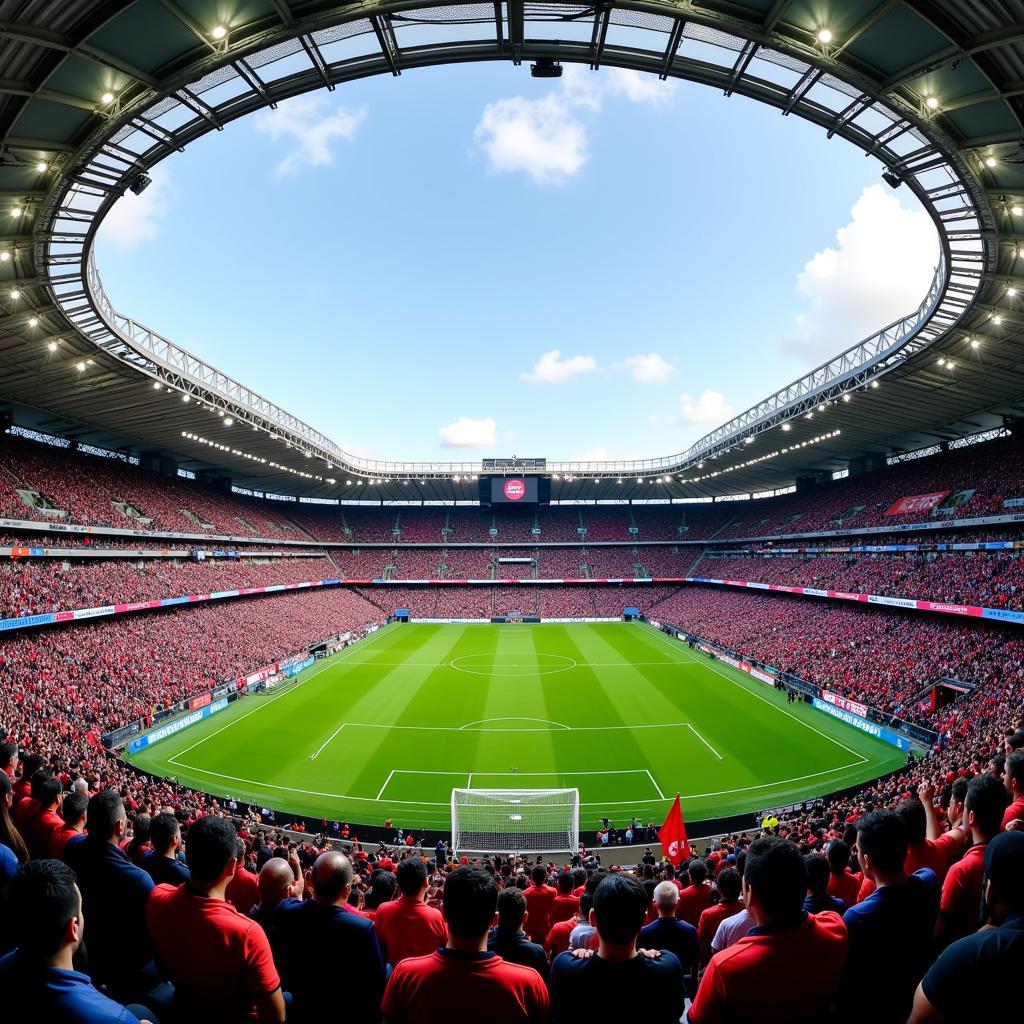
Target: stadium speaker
[140,183]
[546,67]
[891,178]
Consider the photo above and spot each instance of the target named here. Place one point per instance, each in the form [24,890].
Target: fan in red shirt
[40,826]
[558,938]
[566,904]
[72,812]
[462,981]
[842,883]
[243,890]
[961,891]
[218,960]
[696,897]
[540,901]
[790,966]
[729,886]
[1013,776]
[407,926]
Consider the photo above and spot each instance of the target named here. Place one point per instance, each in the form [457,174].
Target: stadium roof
[95,92]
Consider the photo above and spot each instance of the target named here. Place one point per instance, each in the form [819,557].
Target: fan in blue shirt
[37,979]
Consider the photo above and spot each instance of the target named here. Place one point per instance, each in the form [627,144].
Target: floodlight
[33,321]
[52,346]
[15,294]
[16,212]
[824,36]
[974,342]
[107,98]
[931,103]
[990,161]
[41,166]
[1017,210]
[219,32]
[785,426]
[228,421]
[4,257]
[891,178]
[80,367]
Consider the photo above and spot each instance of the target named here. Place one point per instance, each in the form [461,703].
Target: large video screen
[517,490]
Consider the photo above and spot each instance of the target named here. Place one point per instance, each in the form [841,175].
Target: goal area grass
[622,712]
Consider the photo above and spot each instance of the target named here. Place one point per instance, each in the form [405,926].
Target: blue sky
[466,262]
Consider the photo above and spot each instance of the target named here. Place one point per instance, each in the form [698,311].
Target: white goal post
[515,820]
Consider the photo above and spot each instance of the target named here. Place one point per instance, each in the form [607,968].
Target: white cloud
[302,122]
[649,369]
[709,410]
[468,433]
[878,271]
[134,219]
[545,139]
[551,368]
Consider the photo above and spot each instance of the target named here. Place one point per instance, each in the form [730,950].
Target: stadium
[296,728]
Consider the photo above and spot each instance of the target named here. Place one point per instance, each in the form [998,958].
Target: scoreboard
[514,490]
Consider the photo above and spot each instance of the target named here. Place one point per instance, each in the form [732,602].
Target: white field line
[320,750]
[771,704]
[562,728]
[386,781]
[427,803]
[655,784]
[266,703]
[513,718]
[705,742]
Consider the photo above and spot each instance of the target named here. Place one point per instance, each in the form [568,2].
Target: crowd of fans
[995,579]
[880,657]
[29,588]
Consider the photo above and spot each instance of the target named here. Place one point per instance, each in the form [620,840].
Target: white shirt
[580,936]
[731,930]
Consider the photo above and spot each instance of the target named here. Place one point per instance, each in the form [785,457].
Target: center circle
[512,665]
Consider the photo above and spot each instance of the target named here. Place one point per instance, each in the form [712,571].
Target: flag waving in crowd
[672,835]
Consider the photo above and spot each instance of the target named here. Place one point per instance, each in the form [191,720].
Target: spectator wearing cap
[407,926]
[38,980]
[218,959]
[540,902]
[464,981]
[891,930]
[961,891]
[974,977]
[508,939]
[1013,778]
[669,932]
[604,985]
[162,863]
[328,949]
[114,894]
[801,955]
[730,904]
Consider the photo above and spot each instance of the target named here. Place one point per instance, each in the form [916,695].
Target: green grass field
[629,716]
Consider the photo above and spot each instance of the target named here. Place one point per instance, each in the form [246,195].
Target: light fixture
[974,342]
[156,385]
[1011,292]
[749,440]
[997,319]
[821,408]
[874,383]
[107,98]
[4,256]
[942,362]
[846,397]
[228,421]
[52,346]
[219,32]
[33,321]
[990,161]
[931,103]
[80,367]
[1017,211]
[15,294]
[185,398]
[16,212]
[42,166]
[824,35]
[785,426]
[950,365]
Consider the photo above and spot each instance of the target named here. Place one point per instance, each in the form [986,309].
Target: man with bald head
[279,881]
[330,953]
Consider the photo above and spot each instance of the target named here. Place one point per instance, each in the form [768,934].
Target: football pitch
[624,713]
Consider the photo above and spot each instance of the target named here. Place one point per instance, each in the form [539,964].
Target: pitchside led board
[514,490]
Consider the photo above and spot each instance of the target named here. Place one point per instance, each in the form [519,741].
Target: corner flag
[672,835]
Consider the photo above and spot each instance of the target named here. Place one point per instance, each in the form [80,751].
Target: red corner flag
[672,835]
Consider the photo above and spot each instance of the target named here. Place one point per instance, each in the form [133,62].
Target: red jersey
[710,919]
[218,959]
[243,891]
[59,839]
[693,901]
[961,895]
[540,901]
[952,845]
[564,907]
[408,927]
[42,828]
[558,938]
[806,963]
[925,854]
[844,887]
[1014,811]
[451,985]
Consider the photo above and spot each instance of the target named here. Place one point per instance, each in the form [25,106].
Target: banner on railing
[878,731]
[173,728]
[842,702]
[915,503]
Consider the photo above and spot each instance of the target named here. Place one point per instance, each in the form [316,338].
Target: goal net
[515,820]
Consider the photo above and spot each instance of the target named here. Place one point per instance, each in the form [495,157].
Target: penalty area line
[705,742]
[313,757]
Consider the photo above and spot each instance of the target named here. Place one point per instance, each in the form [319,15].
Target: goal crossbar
[515,820]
